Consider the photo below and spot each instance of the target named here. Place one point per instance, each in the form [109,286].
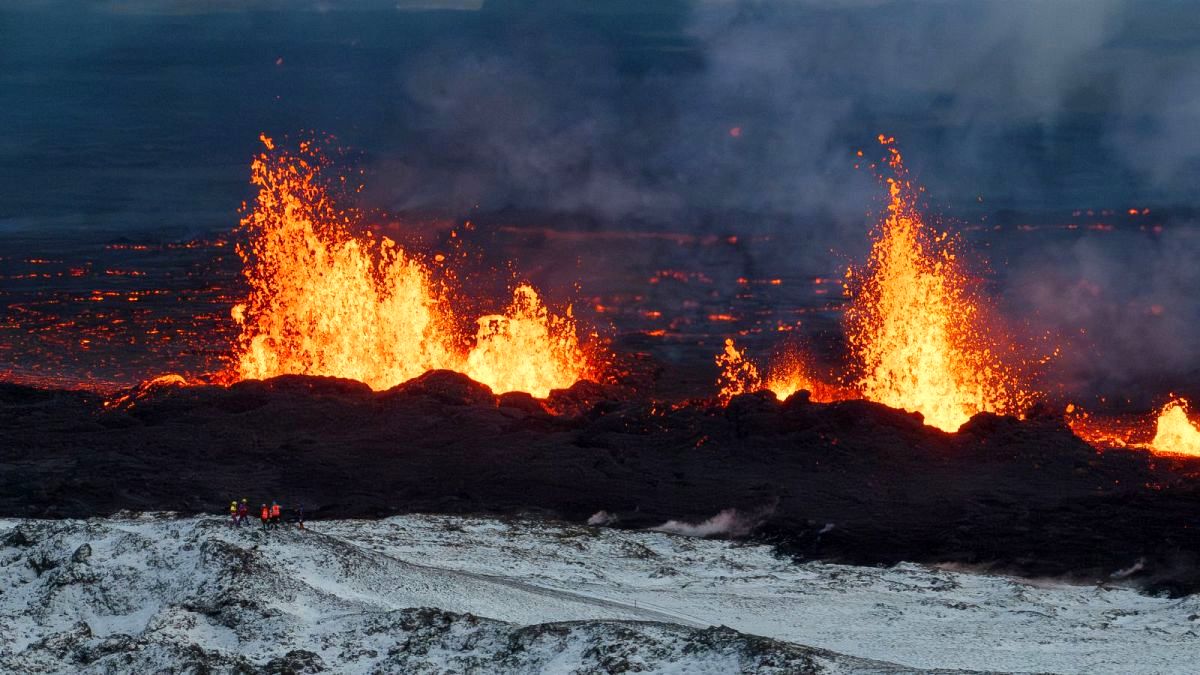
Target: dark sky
[144,113]
[126,117]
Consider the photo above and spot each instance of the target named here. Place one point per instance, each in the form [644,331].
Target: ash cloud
[707,114]
[746,107]
[1125,307]
[743,117]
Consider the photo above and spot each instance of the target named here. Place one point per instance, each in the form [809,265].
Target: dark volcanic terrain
[853,482]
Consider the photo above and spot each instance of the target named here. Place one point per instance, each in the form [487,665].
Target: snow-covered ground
[438,594]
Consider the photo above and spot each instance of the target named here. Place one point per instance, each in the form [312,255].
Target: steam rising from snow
[729,523]
[601,518]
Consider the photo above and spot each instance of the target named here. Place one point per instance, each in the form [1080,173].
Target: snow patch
[444,593]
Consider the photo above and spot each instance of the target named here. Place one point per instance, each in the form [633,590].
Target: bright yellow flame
[738,375]
[918,336]
[1174,433]
[786,376]
[326,302]
[527,349]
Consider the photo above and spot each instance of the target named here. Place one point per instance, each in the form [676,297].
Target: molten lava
[1171,432]
[920,339]
[128,397]
[325,301]
[526,349]
[786,376]
[1174,433]
[738,375]
[1103,432]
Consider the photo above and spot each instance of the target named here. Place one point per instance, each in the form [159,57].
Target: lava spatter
[326,300]
[1174,433]
[784,376]
[920,338]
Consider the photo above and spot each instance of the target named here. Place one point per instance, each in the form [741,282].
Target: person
[233,513]
[243,512]
[276,514]
[266,516]
[300,516]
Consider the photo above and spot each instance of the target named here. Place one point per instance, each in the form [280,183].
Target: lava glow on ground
[326,302]
[308,286]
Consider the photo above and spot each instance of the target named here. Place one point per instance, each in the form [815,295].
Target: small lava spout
[920,338]
[326,301]
[526,349]
[1174,433]
[739,375]
[784,377]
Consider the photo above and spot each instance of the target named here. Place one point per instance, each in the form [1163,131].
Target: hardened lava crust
[852,481]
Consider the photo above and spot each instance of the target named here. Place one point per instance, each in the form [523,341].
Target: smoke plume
[729,523]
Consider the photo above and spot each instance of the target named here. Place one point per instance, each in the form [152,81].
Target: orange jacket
[275,510]
[265,513]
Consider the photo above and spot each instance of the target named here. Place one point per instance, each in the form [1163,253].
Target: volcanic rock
[851,481]
[445,386]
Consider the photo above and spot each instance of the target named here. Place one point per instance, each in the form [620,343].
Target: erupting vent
[325,301]
[1174,433]
[1170,432]
[786,376]
[922,341]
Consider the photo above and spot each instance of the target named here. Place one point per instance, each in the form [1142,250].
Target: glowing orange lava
[326,301]
[1102,432]
[1169,432]
[526,349]
[919,337]
[1174,433]
[785,376]
[128,397]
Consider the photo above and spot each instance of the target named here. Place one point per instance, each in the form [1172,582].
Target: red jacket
[275,510]
[265,513]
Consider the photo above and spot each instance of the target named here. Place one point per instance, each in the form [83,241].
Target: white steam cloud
[729,523]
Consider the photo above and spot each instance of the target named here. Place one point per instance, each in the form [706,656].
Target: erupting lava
[526,349]
[324,301]
[786,376]
[1174,433]
[919,337]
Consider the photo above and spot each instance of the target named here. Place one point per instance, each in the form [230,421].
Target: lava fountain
[1174,433]
[1169,432]
[527,348]
[326,301]
[785,376]
[920,338]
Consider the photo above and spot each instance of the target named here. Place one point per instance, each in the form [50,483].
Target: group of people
[271,515]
